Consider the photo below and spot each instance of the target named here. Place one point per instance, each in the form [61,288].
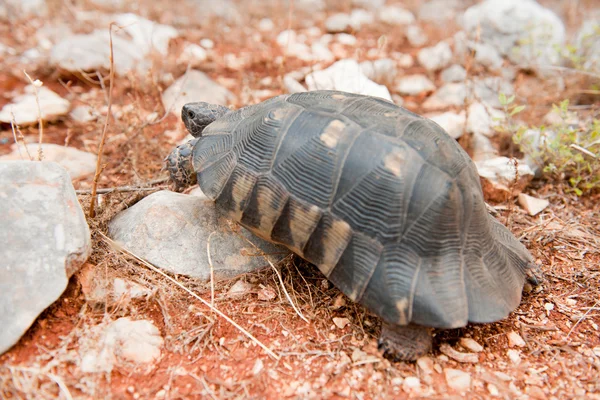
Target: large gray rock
[77,163]
[194,86]
[171,230]
[522,30]
[588,44]
[45,239]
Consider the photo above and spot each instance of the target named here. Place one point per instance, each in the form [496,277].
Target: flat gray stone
[171,230]
[435,57]
[45,239]
[194,86]
[24,107]
[414,85]
[454,73]
[77,163]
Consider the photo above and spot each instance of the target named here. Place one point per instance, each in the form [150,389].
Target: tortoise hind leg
[404,342]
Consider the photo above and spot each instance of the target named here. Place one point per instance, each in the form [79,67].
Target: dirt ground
[204,356]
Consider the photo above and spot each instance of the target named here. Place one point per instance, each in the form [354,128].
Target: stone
[532,205]
[171,231]
[411,384]
[415,36]
[77,163]
[369,4]
[292,86]
[137,38]
[193,55]
[414,85]
[207,43]
[194,86]
[240,289]
[341,322]
[482,148]
[484,90]
[487,55]
[124,342]
[359,17]
[453,123]
[101,289]
[450,94]
[446,349]
[339,22]
[395,15]
[24,107]
[45,239]
[471,345]
[522,30]
[436,57]
[426,365]
[382,71]
[457,380]
[346,39]
[404,60]
[15,9]
[83,114]
[346,75]
[438,10]
[454,73]
[515,340]
[498,178]
[588,45]
[482,120]
[514,356]
[266,25]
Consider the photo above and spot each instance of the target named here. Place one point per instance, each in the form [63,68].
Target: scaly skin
[404,343]
[179,165]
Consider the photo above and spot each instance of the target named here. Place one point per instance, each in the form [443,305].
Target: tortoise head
[197,116]
[180,167]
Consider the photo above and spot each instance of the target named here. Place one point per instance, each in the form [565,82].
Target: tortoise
[383,201]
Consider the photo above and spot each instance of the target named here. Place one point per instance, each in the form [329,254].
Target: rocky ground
[118,301]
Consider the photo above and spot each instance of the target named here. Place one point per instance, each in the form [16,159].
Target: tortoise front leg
[179,165]
[404,342]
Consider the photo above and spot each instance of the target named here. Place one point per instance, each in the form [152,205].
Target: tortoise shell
[383,201]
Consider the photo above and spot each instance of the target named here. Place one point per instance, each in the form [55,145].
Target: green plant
[566,151]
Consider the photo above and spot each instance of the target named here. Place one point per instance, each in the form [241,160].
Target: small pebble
[471,345]
[515,340]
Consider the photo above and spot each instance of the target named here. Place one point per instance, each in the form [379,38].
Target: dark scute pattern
[356,265]
[236,192]
[213,177]
[328,101]
[309,173]
[265,205]
[210,149]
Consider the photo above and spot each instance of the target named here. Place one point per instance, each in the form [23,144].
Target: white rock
[171,231]
[436,57]
[25,109]
[83,114]
[77,163]
[487,55]
[370,4]
[515,340]
[411,384]
[292,85]
[341,322]
[451,122]
[426,365]
[523,30]
[346,39]
[382,71]
[45,239]
[266,25]
[588,45]
[404,60]
[123,342]
[346,75]
[414,85]
[286,37]
[194,86]
[415,35]
[499,176]
[454,73]
[514,356]
[482,147]
[240,289]
[145,34]
[359,17]
[438,10]
[457,379]
[485,90]
[471,345]
[320,52]
[533,206]
[448,350]
[481,119]
[451,94]
[193,54]
[14,9]
[258,367]
[395,15]
[339,22]
[126,289]
[207,43]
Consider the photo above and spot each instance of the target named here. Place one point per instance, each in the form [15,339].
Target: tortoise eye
[191,114]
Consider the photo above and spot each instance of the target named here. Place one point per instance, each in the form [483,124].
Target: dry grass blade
[92,213]
[36,84]
[212,271]
[15,129]
[118,247]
